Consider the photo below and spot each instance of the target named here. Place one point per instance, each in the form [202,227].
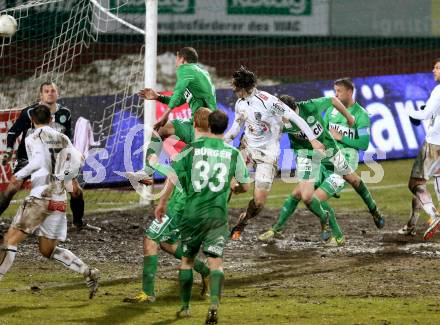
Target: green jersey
[361,127]
[176,203]
[356,137]
[194,86]
[311,112]
[205,169]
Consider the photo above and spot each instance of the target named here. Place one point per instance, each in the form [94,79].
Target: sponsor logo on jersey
[344,130]
[257,116]
[63,118]
[262,96]
[317,129]
[263,128]
[310,119]
[188,95]
[278,108]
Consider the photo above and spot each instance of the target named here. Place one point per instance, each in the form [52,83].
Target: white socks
[70,260]
[7,256]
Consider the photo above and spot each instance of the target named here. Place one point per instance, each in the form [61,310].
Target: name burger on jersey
[212,153]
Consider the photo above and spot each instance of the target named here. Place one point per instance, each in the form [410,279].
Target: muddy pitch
[402,265]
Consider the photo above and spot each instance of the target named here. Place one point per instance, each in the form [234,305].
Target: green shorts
[167,231]
[330,182]
[184,130]
[210,234]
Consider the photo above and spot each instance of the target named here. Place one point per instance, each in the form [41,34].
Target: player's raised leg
[286,212]
[8,249]
[264,175]
[49,249]
[359,186]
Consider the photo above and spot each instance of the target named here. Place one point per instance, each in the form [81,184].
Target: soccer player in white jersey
[262,116]
[425,162]
[53,163]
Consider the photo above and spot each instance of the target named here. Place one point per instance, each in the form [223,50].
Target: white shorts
[265,164]
[42,217]
[426,163]
[54,226]
[342,167]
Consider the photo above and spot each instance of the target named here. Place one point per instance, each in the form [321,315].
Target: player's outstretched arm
[362,140]
[35,163]
[236,127]
[343,110]
[432,107]
[162,204]
[287,113]
[23,122]
[241,180]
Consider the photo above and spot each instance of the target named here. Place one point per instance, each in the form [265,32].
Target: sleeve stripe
[364,131]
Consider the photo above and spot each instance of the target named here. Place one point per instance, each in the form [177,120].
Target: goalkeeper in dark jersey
[205,171]
[61,121]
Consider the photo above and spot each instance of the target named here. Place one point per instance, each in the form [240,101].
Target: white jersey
[262,116]
[53,161]
[431,112]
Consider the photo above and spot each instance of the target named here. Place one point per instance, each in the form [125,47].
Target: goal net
[94,51]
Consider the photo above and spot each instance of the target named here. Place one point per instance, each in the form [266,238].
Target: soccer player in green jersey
[166,234]
[352,139]
[309,168]
[205,170]
[194,86]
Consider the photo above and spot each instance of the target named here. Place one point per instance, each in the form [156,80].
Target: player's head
[48,93]
[436,69]
[289,101]
[243,82]
[41,115]
[218,122]
[344,89]
[186,55]
[201,119]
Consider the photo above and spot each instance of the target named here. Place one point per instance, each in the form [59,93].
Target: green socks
[316,207]
[186,282]
[286,212]
[216,282]
[199,266]
[365,194]
[149,274]
[336,231]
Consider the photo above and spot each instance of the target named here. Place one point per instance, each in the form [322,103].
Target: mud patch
[382,262]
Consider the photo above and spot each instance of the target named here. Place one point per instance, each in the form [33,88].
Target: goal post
[151,12]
